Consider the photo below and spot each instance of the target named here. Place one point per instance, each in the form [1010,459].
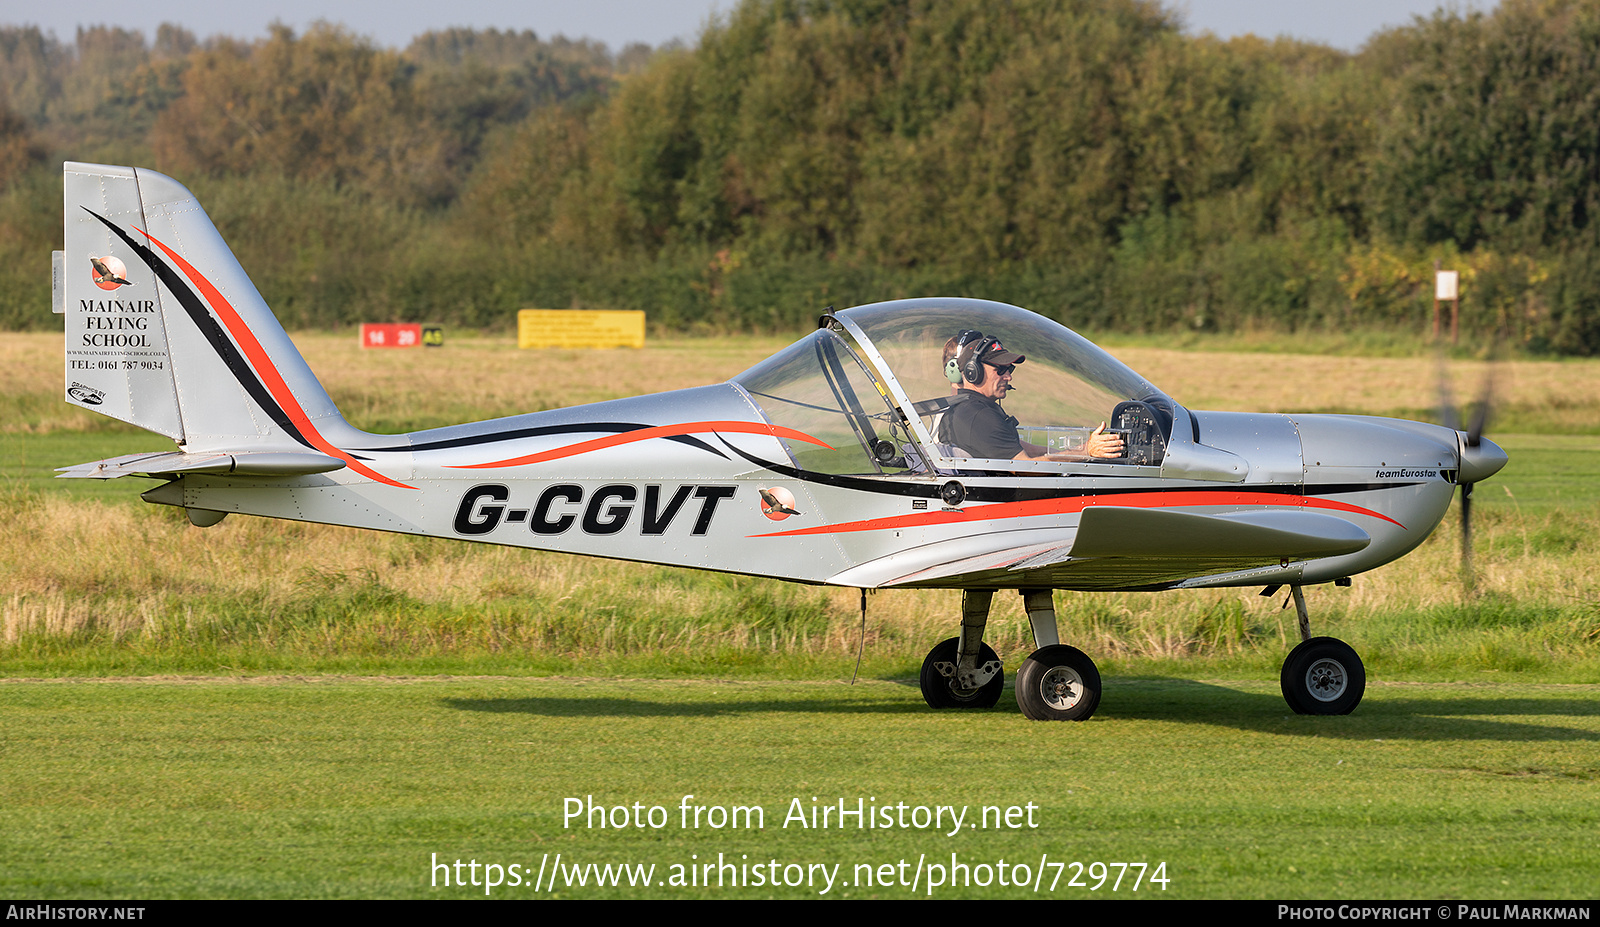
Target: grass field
[340,788]
[269,709]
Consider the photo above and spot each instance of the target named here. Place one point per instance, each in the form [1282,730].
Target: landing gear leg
[1301,613]
[1323,675]
[964,672]
[1040,604]
[1056,682]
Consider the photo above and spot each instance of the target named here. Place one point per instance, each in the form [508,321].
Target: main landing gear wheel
[1058,683]
[1322,676]
[940,691]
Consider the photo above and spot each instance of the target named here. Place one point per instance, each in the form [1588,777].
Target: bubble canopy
[849,382]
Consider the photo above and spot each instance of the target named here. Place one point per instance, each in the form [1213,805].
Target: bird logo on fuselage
[777,503]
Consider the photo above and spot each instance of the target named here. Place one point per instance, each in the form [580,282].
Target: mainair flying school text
[127,328]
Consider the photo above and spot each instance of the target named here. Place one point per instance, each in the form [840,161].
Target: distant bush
[1089,160]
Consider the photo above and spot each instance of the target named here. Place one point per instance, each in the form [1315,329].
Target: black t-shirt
[976,424]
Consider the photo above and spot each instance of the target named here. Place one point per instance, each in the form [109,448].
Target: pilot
[975,422]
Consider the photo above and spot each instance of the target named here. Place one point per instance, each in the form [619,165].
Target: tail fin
[165,330]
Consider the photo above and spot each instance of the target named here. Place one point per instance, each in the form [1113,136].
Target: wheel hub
[971,681]
[1061,688]
[1326,680]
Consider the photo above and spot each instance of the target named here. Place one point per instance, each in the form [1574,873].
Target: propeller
[1478,459]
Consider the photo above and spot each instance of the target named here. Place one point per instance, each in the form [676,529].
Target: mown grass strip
[346,788]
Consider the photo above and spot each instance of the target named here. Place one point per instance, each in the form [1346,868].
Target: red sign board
[400,335]
[391,335]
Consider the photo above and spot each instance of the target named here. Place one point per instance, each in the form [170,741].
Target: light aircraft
[822,464]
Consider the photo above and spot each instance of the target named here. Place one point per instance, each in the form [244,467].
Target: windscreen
[819,386]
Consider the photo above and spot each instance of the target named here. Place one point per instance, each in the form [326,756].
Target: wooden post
[1436,301]
[1447,287]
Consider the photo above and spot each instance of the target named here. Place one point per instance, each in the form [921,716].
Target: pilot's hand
[1101,444]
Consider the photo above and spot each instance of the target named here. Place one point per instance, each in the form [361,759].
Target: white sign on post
[1445,284]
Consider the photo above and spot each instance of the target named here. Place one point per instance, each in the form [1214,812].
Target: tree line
[1092,161]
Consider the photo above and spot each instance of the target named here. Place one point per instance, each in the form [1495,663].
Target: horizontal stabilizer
[172,463]
[1117,531]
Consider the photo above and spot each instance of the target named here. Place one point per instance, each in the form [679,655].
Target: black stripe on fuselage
[516,433]
[924,489]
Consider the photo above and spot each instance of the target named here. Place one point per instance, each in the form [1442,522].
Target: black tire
[1058,683]
[1323,676]
[937,689]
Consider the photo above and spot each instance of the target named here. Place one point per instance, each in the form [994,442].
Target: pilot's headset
[952,367]
[972,368]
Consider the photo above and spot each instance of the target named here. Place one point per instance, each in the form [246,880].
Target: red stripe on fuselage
[645,434]
[257,355]
[1070,505]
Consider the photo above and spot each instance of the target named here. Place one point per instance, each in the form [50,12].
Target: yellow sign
[580,328]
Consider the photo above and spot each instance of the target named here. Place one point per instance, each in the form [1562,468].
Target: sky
[1345,24]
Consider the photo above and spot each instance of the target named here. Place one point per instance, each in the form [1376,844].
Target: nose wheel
[1323,676]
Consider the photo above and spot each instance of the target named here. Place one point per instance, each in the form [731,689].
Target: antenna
[862,647]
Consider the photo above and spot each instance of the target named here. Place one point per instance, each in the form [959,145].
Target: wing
[1116,547]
